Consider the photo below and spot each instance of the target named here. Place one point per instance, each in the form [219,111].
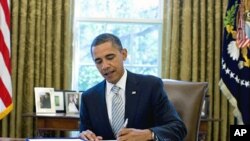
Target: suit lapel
[132,97]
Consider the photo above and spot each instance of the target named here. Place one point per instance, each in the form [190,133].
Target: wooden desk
[11,139]
[55,122]
[64,122]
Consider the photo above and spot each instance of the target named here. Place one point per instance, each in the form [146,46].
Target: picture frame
[205,107]
[59,101]
[44,100]
[72,102]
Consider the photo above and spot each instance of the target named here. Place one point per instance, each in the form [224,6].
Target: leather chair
[187,98]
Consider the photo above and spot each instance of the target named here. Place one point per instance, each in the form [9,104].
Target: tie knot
[115,89]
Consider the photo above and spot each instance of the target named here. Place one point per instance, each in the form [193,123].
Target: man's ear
[124,53]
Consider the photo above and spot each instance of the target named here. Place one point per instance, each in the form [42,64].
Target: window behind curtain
[138,23]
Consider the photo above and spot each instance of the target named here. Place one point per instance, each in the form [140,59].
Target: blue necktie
[117,110]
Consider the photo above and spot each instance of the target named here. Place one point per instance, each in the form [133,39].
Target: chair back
[187,97]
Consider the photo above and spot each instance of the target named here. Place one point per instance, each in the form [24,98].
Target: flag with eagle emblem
[235,62]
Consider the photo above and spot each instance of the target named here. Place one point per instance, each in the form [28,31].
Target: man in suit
[148,114]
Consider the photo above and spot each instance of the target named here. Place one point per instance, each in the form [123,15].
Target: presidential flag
[6,104]
[235,62]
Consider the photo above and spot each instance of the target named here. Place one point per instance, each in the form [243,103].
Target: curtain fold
[41,46]
[192,51]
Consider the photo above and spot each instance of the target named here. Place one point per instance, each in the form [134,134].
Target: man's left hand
[131,134]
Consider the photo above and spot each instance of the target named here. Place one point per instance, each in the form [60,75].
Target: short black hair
[106,37]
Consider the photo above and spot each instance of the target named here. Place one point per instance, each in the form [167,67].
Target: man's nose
[105,65]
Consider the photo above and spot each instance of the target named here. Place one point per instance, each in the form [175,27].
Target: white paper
[44,139]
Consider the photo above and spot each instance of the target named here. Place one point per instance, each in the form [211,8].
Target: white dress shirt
[109,94]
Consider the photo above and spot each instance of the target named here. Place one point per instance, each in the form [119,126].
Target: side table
[203,129]
[54,122]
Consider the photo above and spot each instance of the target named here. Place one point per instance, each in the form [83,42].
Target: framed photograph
[72,102]
[44,100]
[59,101]
[205,107]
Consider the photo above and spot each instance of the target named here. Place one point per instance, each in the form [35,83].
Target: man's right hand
[90,136]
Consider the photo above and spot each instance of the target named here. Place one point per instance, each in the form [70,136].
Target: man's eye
[98,61]
[110,57]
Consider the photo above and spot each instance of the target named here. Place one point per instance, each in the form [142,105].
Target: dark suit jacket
[148,108]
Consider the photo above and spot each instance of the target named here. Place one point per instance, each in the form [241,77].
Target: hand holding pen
[134,134]
[125,123]
[123,126]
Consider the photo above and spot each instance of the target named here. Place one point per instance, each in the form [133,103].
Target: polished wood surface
[204,124]
[203,129]
[57,115]
[62,124]
[54,122]
[11,139]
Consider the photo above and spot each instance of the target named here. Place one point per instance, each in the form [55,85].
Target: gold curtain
[192,41]
[41,47]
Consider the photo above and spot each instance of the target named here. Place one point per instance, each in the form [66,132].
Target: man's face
[109,61]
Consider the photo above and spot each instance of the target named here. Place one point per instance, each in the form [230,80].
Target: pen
[125,123]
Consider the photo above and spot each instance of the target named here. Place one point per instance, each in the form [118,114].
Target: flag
[235,62]
[6,104]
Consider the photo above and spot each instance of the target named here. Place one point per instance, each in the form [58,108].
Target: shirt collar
[121,83]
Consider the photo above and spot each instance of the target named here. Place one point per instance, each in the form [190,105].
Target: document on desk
[57,139]
[52,139]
